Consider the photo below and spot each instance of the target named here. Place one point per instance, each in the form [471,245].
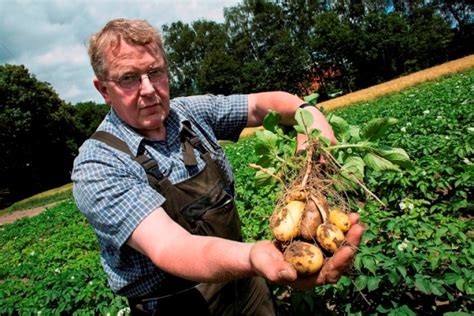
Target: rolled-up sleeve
[112,191]
[226,115]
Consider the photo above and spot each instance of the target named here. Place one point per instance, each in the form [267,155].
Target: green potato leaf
[312,98]
[266,139]
[377,127]
[304,120]
[353,165]
[379,163]
[271,121]
[340,127]
[397,156]
[263,178]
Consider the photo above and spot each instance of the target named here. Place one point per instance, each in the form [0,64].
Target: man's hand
[267,261]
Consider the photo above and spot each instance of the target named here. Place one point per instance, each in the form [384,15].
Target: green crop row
[49,265]
[436,128]
[416,257]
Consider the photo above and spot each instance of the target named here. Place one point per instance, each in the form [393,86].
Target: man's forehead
[126,49]
[127,54]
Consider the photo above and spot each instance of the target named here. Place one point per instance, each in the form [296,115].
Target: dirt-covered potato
[306,258]
[340,219]
[322,205]
[329,237]
[311,220]
[285,222]
[296,195]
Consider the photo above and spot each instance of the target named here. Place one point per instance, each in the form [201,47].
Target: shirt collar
[173,124]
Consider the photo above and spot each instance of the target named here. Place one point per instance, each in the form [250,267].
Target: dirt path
[12,217]
[399,84]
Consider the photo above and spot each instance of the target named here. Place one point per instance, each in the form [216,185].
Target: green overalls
[202,206]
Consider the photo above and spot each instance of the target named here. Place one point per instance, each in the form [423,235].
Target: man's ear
[103,90]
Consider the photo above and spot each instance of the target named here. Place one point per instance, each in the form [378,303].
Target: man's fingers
[354,235]
[341,261]
[268,262]
[354,218]
[336,265]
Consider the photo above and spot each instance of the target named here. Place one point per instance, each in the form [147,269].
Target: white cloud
[49,36]
[72,92]
[74,55]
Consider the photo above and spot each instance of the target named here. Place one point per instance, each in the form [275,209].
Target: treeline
[329,47]
[39,134]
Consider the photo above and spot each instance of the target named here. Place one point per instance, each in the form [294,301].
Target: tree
[87,117]
[269,54]
[194,49]
[375,46]
[333,45]
[428,39]
[460,16]
[218,73]
[35,144]
[181,58]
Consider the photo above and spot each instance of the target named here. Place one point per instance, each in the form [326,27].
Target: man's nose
[146,86]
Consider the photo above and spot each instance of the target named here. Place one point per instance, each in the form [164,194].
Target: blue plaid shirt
[112,191]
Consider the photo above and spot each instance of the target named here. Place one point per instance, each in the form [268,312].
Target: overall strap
[112,140]
[151,167]
[197,126]
[189,141]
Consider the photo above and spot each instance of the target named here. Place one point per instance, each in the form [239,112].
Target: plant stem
[355,179]
[266,171]
[360,292]
[309,158]
[285,162]
[363,145]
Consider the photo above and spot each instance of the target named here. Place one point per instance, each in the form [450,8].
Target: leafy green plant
[417,253]
[437,132]
[411,264]
[357,150]
[50,264]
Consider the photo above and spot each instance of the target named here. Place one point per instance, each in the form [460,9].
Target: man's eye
[128,78]
[155,74]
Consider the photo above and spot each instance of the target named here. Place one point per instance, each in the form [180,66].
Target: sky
[50,37]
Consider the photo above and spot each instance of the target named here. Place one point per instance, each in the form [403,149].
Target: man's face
[146,106]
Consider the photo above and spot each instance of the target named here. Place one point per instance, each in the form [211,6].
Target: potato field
[417,254]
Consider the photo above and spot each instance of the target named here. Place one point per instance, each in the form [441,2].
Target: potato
[340,219]
[311,220]
[285,222]
[296,195]
[329,236]
[322,205]
[306,258]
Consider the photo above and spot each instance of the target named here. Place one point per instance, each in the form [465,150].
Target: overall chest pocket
[210,216]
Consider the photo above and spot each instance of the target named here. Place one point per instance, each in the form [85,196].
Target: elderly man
[158,190]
